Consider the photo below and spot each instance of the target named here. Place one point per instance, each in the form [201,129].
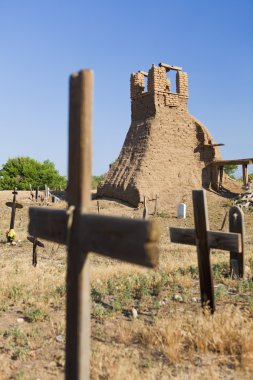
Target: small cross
[205,239]
[13,206]
[134,241]
[36,243]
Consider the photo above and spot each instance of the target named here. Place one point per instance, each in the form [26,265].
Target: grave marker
[236,224]
[36,243]
[13,206]
[134,241]
[204,239]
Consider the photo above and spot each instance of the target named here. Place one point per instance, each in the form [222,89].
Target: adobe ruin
[167,150]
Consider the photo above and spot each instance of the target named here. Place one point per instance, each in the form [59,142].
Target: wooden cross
[134,241]
[36,243]
[13,206]
[205,239]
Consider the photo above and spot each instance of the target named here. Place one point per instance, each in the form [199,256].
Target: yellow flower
[10,234]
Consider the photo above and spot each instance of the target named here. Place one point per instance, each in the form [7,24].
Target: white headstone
[181,211]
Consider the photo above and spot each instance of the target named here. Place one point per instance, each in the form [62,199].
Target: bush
[96,180]
[23,172]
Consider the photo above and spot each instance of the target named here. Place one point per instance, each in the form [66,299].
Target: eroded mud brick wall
[166,149]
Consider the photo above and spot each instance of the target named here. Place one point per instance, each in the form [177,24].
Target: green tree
[230,170]
[21,172]
[96,180]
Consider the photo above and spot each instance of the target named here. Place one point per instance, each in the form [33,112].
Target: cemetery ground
[145,323]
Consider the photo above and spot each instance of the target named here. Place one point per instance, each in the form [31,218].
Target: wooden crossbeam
[130,240]
[121,238]
[204,239]
[226,241]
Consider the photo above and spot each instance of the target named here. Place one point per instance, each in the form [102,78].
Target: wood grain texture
[183,235]
[134,241]
[201,227]
[236,224]
[79,185]
[216,239]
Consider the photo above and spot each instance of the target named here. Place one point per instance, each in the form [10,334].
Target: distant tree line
[23,172]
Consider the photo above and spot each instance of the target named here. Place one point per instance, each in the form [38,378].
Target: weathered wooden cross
[13,206]
[134,241]
[36,243]
[205,239]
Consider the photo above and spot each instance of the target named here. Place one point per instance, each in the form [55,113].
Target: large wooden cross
[205,239]
[134,241]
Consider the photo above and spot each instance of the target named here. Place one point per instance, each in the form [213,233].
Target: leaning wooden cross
[205,239]
[36,243]
[13,206]
[134,241]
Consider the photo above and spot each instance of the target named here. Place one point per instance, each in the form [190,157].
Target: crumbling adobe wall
[166,149]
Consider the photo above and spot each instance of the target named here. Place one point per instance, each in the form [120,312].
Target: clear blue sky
[42,42]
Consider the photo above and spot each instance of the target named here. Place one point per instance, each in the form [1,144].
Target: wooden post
[245,174]
[236,224]
[36,194]
[13,209]
[79,174]
[224,221]
[156,201]
[221,169]
[145,210]
[98,206]
[203,250]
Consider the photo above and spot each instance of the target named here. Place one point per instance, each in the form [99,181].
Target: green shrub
[96,179]
[23,172]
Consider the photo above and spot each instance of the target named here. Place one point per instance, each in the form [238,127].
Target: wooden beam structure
[241,161]
[134,241]
[204,239]
[170,67]
[245,175]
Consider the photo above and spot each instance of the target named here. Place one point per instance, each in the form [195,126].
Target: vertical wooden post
[221,168]
[236,224]
[36,193]
[245,174]
[79,174]
[145,210]
[98,206]
[13,209]
[203,251]
[156,201]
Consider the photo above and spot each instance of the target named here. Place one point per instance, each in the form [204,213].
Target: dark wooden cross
[36,243]
[13,206]
[134,241]
[205,239]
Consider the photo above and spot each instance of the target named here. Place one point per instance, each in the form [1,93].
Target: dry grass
[170,338]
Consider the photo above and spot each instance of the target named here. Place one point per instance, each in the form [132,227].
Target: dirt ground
[145,323]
